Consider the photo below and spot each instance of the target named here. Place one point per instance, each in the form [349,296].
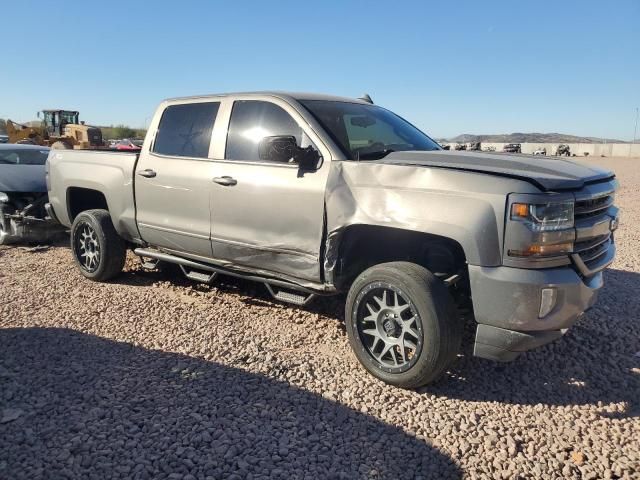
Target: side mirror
[285,149]
[308,159]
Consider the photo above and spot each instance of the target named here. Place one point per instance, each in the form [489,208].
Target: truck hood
[22,178]
[548,174]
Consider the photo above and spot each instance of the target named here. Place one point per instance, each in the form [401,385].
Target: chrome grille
[594,246]
[593,207]
[590,250]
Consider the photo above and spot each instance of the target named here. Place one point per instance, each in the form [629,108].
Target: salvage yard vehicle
[127,145]
[563,150]
[512,148]
[23,195]
[540,151]
[319,195]
[59,129]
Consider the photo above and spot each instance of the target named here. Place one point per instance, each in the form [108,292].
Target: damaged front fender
[465,207]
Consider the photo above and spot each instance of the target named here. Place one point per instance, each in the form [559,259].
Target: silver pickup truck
[320,195]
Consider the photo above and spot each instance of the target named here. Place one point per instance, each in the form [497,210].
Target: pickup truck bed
[81,171]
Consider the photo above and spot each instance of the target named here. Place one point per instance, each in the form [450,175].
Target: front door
[173,180]
[267,215]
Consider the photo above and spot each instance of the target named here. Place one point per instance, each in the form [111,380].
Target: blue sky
[449,67]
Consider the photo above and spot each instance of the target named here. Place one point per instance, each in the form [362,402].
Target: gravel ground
[152,376]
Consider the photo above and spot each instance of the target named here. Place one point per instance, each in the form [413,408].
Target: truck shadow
[592,363]
[89,406]
[596,361]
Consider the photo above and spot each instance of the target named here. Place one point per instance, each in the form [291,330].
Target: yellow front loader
[59,129]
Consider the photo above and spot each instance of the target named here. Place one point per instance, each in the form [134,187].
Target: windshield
[69,117]
[367,132]
[23,156]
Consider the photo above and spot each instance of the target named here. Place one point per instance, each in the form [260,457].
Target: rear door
[173,179]
[269,215]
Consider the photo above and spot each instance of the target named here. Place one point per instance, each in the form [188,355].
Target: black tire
[438,328]
[94,235]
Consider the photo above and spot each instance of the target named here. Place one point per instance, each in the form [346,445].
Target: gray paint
[277,222]
[22,178]
[547,173]
[110,173]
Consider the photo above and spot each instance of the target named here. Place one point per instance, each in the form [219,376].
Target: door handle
[148,173]
[226,181]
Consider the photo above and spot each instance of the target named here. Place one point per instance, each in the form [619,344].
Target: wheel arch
[353,249]
[80,199]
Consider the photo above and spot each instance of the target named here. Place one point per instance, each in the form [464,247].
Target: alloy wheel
[389,327]
[87,248]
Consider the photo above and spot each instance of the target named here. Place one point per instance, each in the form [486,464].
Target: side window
[185,130]
[251,121]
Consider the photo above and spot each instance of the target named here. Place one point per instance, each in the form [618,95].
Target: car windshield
[20,156]
[367,132]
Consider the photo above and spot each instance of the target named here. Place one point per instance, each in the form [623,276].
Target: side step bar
[197,276]
[290,297]
[194,271]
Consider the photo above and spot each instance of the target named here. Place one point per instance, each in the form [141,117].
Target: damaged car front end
[23,195]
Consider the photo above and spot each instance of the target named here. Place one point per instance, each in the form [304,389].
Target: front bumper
[506,303]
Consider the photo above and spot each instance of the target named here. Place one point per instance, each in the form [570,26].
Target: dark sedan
[23,194]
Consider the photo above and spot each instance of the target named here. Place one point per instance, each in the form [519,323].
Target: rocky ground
[152,376]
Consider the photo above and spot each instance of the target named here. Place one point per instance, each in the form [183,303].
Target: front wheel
[402,324]
[98,250]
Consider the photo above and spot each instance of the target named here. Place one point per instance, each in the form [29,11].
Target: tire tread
[446,324]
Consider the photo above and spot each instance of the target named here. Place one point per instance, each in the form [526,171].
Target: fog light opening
[547,301]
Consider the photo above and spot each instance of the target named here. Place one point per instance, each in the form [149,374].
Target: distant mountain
[530,138]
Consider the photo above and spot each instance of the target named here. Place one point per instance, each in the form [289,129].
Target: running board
[191,265]
[149,263]
[296,298]
[199,276]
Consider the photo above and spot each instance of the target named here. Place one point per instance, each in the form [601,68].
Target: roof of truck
[275,93]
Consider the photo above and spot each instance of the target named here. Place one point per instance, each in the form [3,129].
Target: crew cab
[320,195]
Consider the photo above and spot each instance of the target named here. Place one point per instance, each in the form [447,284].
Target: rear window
[23,156]
[185,130]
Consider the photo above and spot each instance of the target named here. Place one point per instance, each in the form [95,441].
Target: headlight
[544,217]
[539,231]
[4,197]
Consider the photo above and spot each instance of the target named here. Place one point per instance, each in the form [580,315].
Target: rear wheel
[98,250]
[402,324]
